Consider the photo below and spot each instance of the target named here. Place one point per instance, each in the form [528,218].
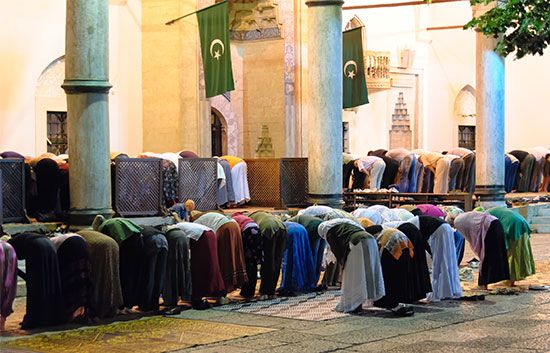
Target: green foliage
[521,26]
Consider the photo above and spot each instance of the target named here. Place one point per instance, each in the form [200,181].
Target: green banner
[215,50]
[355,85]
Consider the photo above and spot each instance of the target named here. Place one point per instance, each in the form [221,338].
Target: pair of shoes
[173,311]
[403,310]
[473,298]
[201,304]
[320,288]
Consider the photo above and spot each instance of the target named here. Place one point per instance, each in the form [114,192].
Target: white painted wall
[32,37]
[447,59]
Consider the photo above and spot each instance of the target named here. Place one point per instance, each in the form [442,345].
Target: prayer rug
[310,307]
[151,335]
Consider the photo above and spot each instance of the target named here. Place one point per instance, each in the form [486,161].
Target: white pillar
[489,120]
[87,86]
[325,101]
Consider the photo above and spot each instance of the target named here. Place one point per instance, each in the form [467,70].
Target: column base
[331,200]
[490,195]
[86,217]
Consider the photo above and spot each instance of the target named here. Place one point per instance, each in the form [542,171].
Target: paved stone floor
[501,323]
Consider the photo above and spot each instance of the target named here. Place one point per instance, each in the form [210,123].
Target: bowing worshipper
[372,169]
[230,248]
[421,284]
[47,183]
[365,222]
[517,238]
[44,301]
[153,268]
[536,178]
[316,243]
[456,169]
[511,170]
[368,213]
[177,283]
[104,274]
[128,236]
[412,209]
[206,276]
[440,167]
[439,242]
[336,213]
[402,213]
[378,153]
[466,179]
[298,267]
[226,193]
[451,212]
[239,178]
[545,186]
[316,211]
[169,167]
[485,235]
[11,155]
[74,268]
[396,254]
[349,169]
[386,214]
[187,154]
[431,210]
[357,252]
[273,232]
[526,166]
[406,175]
[253,252]
[8,280]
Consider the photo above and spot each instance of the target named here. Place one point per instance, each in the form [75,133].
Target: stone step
[540,228]
[541,220]
[544,211]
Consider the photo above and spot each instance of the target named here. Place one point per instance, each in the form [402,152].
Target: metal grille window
[467,136]
[57,132]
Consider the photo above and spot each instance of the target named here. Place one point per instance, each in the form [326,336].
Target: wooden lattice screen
[198,181]
[13,189]
[138,187]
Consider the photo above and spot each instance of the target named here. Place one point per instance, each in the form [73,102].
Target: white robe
[240,182]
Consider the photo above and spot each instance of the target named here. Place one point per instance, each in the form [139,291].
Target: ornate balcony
[377,69]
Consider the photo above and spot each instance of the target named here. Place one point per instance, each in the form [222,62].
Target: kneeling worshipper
[402,213]
[104,273]
[316,211]
[273,232]
[386,214]
[439,242]
[8,280]
[517,236]
[44,301]
[412,209]
[253,252]
[230,248]
[396,254]
[357,252]
[239,178]
[316,243]
[406,175]
[431,210]
[372,215]
[74,268]
[298,268]
[485,235]
[371,167]
[206,277]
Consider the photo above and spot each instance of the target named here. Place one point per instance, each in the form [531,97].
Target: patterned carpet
[150,335]
[310,306]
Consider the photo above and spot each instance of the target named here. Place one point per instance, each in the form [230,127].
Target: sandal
[402,310]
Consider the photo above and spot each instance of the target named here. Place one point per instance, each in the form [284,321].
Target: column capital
[312,3]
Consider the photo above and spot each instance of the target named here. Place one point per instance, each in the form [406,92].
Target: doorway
[218,130]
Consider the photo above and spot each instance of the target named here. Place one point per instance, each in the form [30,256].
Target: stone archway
[218,130]
[222,105]
[49,97]
[465,116]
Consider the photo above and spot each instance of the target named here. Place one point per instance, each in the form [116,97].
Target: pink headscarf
[431,210]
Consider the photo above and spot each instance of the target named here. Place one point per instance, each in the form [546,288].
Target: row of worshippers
[382,252]
[47,181]
[441,172]
[411,171]
[117,265]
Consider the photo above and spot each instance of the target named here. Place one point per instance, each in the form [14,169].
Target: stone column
[325,101]
[489,120]
[87,86]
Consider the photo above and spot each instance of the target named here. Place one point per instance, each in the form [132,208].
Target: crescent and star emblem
[216,54]
[351,74]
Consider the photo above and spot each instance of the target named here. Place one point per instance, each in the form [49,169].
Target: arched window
[219,133]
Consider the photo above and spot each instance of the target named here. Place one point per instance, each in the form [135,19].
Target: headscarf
[431,210]
[387,214]
[368,213]
[394,241]
[474,227]
[515,226]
